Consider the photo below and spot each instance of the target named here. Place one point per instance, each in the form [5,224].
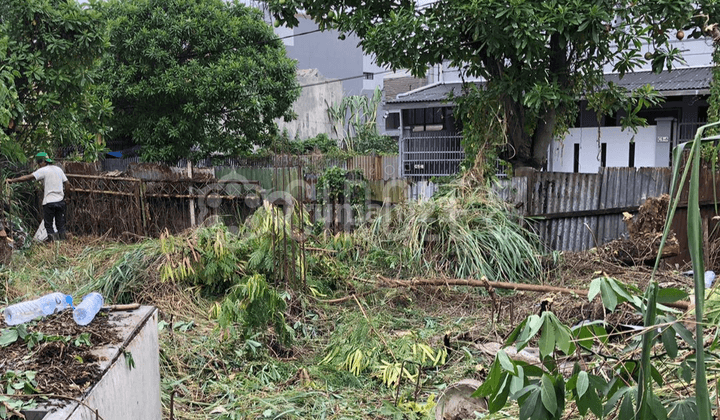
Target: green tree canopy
[49,51]
[538,57]
[189,78]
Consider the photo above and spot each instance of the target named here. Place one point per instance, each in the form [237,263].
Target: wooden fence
[151,198]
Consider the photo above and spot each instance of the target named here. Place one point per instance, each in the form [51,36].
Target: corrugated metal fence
[574,211]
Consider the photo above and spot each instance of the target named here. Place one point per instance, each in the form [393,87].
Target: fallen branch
[484,282]
[128,307]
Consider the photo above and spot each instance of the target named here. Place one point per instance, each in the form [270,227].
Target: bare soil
[62,367]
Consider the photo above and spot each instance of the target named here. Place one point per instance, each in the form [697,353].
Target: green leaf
[627,412]
[505,362]
[594,288]
[656,408]
[685,409]
[657,377]
[563,338]
[583,382]
[601,333]
[583,336]
[497,400]
[685,372]
[517,382]
[516,332]
[8,337]
[670,295]
[547,393]
[547,338]
[530,403]
[614,397]
[609,297]
[684,333]
[668,340]
[492,381]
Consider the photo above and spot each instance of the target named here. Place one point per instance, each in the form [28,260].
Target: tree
[49,51]
[189,78]
[538,57]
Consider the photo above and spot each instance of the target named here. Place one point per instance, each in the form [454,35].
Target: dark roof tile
[696,78]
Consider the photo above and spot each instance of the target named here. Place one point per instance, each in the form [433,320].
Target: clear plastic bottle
[23,312]
[54,302]
[709,279]
[85,312]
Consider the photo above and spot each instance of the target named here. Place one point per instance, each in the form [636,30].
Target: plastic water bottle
[54,302]
[85,312]
[23,312]
[709,279]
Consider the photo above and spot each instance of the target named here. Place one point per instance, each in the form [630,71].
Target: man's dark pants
[54,211]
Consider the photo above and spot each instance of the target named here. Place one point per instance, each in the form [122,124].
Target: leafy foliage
[540,391]
[321,143]
[124,280]
[271,235]
[189,78]
[254,305]
[373,143]
[212,259]
[537,57]
[357,349]
[49,51]
[337,185]
[354,120]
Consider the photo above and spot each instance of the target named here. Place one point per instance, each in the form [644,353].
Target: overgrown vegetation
[465,232]
[275,321]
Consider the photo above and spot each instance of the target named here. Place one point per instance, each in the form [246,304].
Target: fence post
[191,203]
[140,225]
[144,207]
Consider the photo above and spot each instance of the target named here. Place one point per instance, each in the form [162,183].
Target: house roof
[431,93]
[678,80]
[682,81]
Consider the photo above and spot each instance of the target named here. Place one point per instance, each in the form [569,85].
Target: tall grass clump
[128,275]
[466,232]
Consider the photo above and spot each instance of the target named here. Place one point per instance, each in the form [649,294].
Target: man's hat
[41,155]
[48,160]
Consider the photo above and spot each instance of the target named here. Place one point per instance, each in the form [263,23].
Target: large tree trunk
[517,136]
[532,149]
[543,137]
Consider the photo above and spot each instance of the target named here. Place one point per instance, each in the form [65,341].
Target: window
[368,75]
[576,157]
[603,155]
[428,119]
[392,121]
[631,154]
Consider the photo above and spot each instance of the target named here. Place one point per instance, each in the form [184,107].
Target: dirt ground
[63,367]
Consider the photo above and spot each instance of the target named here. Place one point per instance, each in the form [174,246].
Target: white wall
[561,159]
[311,107]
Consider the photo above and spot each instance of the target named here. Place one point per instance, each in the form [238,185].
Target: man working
[53,197]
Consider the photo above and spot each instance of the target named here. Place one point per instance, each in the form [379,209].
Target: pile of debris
[645,235]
